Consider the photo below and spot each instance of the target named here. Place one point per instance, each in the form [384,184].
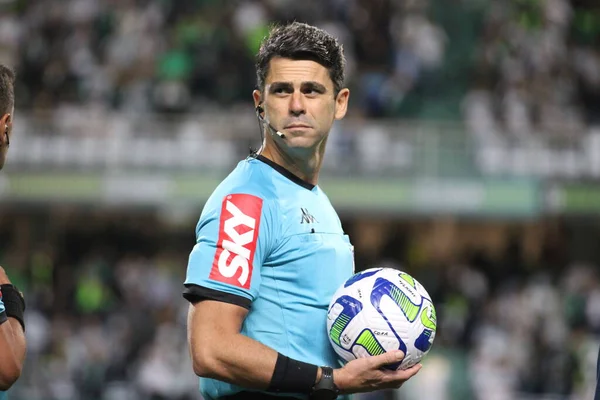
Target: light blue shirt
[274,244]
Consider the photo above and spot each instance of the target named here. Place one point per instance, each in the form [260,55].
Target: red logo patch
[238,234]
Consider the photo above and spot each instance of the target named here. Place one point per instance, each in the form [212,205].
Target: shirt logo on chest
[307,217]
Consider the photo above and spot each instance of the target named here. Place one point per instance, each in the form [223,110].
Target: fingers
[410,372]
[403,373]
[390,357]
[367,374]
[397,378]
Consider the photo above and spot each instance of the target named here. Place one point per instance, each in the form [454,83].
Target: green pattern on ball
[338,327]
[408,279]
[409,309]
[370,343]
[429,318]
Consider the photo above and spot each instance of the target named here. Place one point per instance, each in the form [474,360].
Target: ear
[5,131]
[5,124]
[5,120]
[341,103]
[257,96]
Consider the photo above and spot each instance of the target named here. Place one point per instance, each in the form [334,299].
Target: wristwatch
[325,389]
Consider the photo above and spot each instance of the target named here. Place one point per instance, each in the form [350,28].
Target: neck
[304,167]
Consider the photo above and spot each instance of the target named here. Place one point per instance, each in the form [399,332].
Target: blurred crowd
[525,335]
[519,66]
[536,70]
[106,319]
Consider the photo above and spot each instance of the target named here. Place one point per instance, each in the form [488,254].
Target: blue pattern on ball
[422,343]
[359,276]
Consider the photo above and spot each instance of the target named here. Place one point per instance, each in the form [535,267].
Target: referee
[12,304]
[270,249]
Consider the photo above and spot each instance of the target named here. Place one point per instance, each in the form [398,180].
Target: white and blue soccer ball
[379,310]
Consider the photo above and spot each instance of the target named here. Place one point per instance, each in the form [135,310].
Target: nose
[297,106]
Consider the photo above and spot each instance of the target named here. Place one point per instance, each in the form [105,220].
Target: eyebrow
[289,86]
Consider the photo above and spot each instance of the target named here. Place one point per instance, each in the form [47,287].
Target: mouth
[297,126]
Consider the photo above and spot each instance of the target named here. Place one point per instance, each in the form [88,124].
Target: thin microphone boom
[259,111]
[275,131]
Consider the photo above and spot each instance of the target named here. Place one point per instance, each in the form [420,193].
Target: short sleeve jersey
[272,243]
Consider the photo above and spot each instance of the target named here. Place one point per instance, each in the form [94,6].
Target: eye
[312,90]
[280,91]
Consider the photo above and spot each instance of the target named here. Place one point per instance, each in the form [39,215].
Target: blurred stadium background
[470,158]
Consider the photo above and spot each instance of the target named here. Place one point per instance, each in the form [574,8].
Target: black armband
[292,376]
[14,303]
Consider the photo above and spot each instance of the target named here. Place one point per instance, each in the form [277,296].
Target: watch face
[325,389]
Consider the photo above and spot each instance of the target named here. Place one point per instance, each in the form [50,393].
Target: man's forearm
[250,364]
[20,346]
[221,352]
[12,354]
[235,359]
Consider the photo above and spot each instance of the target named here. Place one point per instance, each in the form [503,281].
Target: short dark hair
[7,89]
[299,41]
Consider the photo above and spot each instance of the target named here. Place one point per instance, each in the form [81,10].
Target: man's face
[299,101]
[5,123]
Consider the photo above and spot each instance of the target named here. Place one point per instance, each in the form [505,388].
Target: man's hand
[366,374]
[3,277]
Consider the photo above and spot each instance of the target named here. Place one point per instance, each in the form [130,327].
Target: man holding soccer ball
[270,250]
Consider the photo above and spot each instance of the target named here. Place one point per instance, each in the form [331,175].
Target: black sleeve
[195,293]
[3,317]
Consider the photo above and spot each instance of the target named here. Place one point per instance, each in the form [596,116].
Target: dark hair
[7,89]
[299,41]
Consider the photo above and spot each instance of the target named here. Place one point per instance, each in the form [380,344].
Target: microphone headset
[259,111]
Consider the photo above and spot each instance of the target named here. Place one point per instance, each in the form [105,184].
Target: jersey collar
[285,173]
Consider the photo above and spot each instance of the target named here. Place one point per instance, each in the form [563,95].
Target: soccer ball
[379,310]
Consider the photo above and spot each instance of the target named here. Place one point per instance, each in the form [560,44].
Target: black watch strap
[325,389]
